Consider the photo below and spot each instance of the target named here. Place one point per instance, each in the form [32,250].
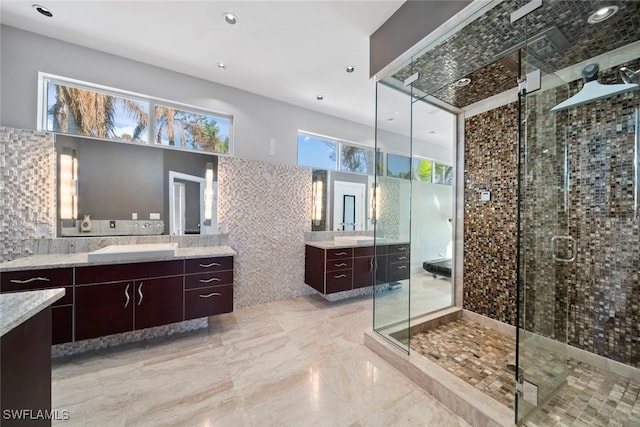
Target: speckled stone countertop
[18,307]
[36,262]
[331,244]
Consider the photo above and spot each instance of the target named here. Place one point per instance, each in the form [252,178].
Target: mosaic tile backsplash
[27,190]
[591,303]
[267,208]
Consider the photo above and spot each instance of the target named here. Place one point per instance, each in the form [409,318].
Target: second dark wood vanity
[331,268]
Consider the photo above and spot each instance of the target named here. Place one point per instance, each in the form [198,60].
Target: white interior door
[356,215]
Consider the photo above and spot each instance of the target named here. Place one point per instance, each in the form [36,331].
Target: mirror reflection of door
[186,210]
[349,212]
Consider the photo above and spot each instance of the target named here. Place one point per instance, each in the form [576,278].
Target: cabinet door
[363,272]
[104,309]
[61,324]
[158,301]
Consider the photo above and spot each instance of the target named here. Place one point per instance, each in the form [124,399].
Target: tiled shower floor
[479,355]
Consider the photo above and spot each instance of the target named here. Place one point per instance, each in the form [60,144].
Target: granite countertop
[331,244]
[18,307]
[35,262]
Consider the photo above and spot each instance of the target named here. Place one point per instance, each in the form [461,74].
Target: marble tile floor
[299,362]
[478,355]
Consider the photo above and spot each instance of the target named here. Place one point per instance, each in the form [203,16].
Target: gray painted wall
[256,118]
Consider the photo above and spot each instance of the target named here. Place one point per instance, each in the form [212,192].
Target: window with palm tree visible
[108,114]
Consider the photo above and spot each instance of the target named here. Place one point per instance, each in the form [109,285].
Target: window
[317,152]
[443,174]
[356,159]
[85,110]
[89,113]
[398,166]
[332,154]
[190,130]
[422,170]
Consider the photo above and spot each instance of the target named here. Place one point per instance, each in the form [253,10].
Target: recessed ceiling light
[319,97]
[42,10]
[602,14]
[350,69]
[431,132]
[221,66]
[230,18]
[390,119]
[462,82]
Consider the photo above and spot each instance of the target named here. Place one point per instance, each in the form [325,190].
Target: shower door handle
[554,248]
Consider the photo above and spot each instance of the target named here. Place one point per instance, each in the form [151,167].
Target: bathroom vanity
[104,298]
[332,267]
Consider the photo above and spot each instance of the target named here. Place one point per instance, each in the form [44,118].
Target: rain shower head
[592,90]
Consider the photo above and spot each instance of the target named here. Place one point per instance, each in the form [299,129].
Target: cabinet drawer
[401,257]
[339,264]
[337,281]
[120,272]
[339,253]
[194,281]
[398,271]
[203,265]
[35,279]
[403,248]
[208,301]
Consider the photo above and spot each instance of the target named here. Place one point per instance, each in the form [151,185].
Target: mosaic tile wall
[267,207]
[592,303]
[27,190]
[489,265]
[559,36]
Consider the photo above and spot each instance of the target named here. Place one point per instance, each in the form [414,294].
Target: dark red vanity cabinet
[208,284]
[341,269]
[62,310]
[124,297]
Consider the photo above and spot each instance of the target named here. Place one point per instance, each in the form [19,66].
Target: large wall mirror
[113,188]
[341,201]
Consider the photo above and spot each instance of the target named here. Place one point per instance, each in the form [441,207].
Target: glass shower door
[546,247]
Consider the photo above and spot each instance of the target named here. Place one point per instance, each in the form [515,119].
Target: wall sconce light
[316,207]
[374,202]
[208,194]
[68,186]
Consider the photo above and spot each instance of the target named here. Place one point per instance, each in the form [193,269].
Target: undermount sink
[357,240]
[133,252]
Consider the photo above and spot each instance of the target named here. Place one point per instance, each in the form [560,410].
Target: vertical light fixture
[374,202]
[68,186]
[316,208]
[208,194]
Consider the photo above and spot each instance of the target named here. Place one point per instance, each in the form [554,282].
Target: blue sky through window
[317,152]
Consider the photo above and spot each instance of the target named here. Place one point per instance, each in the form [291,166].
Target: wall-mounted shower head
[629,76]
[593,90]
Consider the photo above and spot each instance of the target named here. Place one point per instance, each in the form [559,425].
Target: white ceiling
[287,50]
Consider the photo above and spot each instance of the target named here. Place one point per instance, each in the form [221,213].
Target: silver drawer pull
[340,253]
[140,293]
[212,294]
[403,248]
[213,279]
[402,257]
[126,294]
[213,264]
[340,276]
[400,267]
[342,264]
[33,279]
